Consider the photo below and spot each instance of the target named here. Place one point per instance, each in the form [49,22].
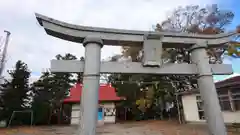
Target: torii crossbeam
[94,38]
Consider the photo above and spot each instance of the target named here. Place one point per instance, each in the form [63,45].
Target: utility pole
[3,55]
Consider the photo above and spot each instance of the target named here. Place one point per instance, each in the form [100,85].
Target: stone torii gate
[93,39]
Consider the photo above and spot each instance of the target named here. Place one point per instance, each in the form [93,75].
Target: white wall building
[229,97]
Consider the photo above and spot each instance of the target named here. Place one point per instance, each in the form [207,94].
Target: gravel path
[130,128]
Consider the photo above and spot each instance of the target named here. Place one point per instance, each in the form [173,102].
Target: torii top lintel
[118,37]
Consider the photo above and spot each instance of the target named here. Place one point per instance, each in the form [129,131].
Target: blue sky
[234,6]
[32,45]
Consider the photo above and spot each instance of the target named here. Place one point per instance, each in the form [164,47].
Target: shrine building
[107,107]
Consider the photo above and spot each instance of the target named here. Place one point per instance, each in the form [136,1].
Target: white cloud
[31,44]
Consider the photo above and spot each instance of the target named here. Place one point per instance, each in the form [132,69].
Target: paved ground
[131,128]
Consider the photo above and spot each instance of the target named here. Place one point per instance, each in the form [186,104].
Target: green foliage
[62,82]
[192,19]
[140,96]
[42,91]
[50,90]
[14,92]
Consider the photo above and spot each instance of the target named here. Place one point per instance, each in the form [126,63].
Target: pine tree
[42,98]
[50,90]
[63,81]
[14,92]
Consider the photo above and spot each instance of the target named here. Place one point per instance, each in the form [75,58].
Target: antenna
[4,53]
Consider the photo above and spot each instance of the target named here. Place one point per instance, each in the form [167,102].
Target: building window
[200,107]
[225,105]
[109,111]
[201,115]
[236,104]
[224,102]
[236,98]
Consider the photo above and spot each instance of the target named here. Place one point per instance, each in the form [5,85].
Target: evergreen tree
[50,90]
[14,92]
[42,97]
[63,81]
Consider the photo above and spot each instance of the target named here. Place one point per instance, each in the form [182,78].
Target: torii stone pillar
[91,78]
[152,43]
[212,109]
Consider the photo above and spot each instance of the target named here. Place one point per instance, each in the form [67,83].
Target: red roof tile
[106,93]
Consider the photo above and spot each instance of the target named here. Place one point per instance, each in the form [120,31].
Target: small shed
[107,106]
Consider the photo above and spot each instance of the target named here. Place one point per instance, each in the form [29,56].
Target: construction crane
[3,53]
